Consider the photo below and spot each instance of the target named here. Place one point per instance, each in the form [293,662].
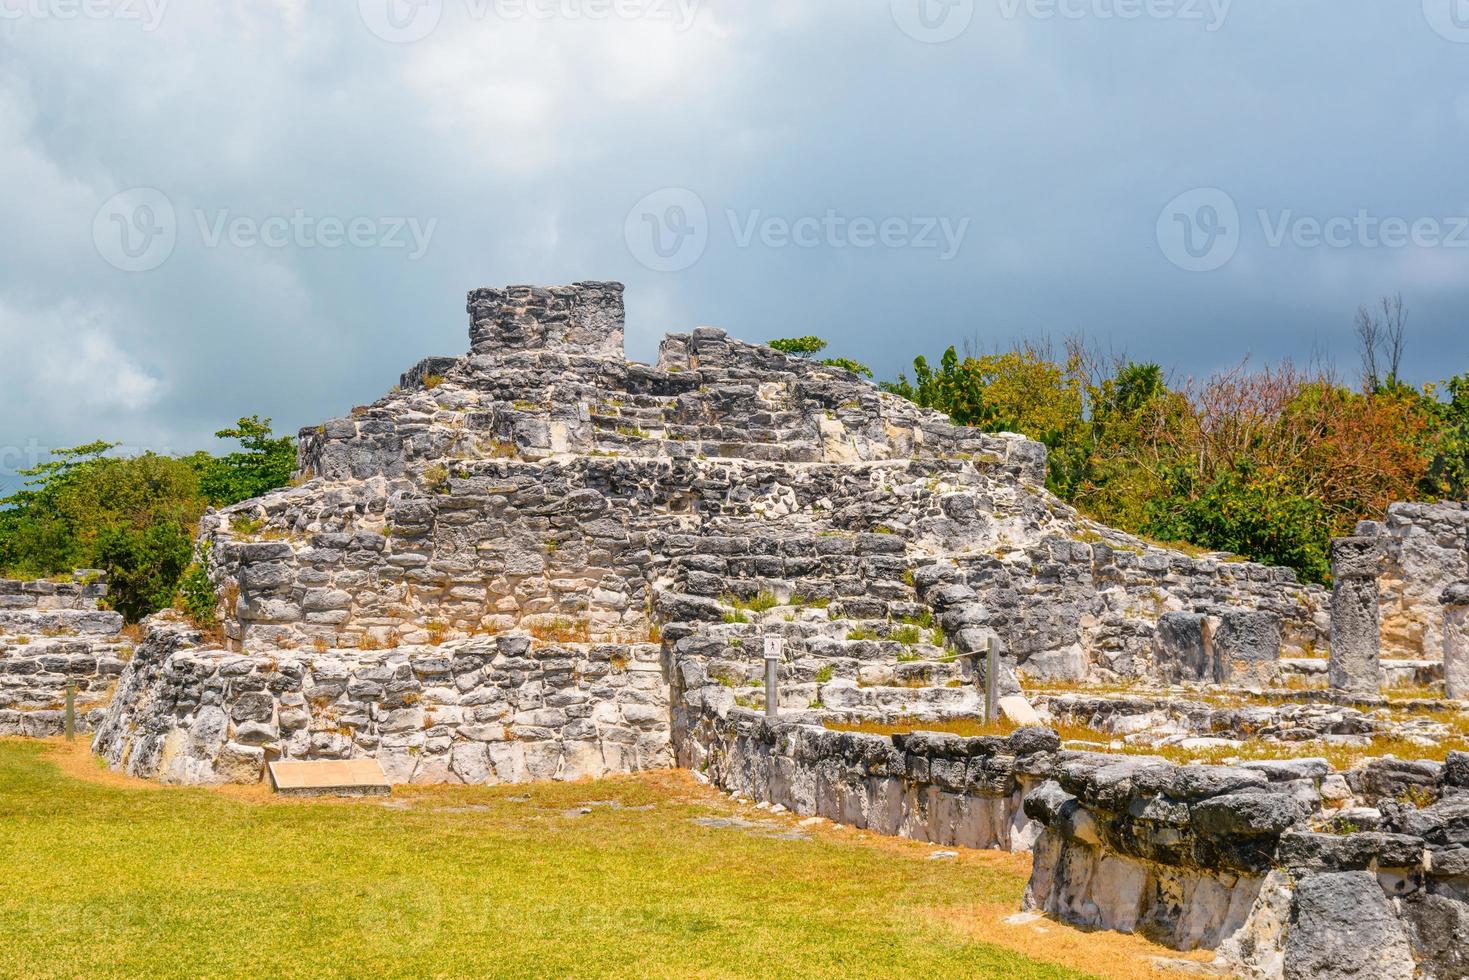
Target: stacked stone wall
[925,786]
[54,634]
[1288,869]
[486,711]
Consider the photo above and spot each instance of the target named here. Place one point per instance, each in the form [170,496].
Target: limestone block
[1247,648]
[1343,928]
[1180,652]
[1455,602]
[240,764]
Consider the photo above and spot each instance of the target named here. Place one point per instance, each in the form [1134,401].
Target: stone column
[1355,631]
[1456,641]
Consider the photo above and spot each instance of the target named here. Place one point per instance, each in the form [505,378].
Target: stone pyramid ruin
[519,564]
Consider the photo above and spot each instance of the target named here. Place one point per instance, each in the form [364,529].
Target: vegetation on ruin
[494,882]
[133,517]
[1265,462]
[807,348]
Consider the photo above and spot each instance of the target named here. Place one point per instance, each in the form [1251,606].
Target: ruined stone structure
[1289,869]
[1455,601]
[498,552]
[52,633]
[542,561]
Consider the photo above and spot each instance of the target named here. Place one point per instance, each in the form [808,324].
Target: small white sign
[773,647]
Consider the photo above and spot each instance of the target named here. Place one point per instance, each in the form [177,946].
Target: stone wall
[1247,860]
[1077,610]
[488,710]
[1288,869]
[54,633]
[925,786]
[1426,550]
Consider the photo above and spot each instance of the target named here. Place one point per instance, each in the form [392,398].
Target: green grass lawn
[107,880]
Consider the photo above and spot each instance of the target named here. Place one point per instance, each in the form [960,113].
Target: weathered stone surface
[1182,654]
[1355,634]
[1455,602]
[54,634]
[1247,648]
[1343,928]
[1426,549]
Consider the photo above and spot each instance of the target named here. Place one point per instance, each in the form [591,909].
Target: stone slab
[329,777]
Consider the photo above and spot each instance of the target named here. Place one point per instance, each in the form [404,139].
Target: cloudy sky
[272,206]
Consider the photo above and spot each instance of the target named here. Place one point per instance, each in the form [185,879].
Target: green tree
[1448,473]
[802,347]
[1257,515]
[266,463]
[133,518]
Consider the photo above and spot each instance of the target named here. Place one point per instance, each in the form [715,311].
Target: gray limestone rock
[1343,928]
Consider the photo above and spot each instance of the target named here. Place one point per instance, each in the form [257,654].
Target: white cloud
[69,362]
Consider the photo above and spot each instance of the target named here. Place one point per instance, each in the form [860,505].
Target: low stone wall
[1246,859]
[1288,869]
[487,711]
[52,634]
[1299,719]
[925,786]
